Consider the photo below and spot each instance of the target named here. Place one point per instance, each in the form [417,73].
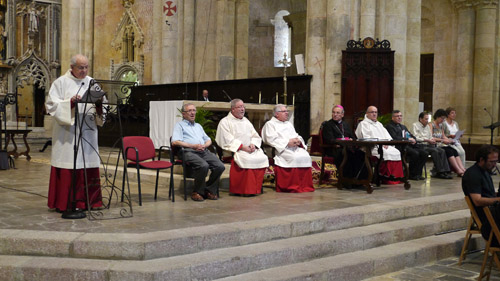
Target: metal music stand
[492,127]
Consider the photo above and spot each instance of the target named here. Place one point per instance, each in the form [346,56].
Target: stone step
[154,245]
[364,264]
[348,254]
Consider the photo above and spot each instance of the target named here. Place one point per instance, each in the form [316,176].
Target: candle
[276,97]
[293,100]
[260,96]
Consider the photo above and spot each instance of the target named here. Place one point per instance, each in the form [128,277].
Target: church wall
[261,36]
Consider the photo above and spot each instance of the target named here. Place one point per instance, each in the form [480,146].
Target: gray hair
[234,102]
[277,108]
[184,106]
[75,58]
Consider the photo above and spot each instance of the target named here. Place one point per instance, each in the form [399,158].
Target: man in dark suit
[204,96]
[337,129]
[416,155]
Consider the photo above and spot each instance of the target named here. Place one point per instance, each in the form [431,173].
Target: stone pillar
[367,19]
[465,71]
[412,71]
[205,33]
[337,35]
[225,39]
[77,34]
[380,20]
[156,54]
[484,66]
[188,42]
[315,57]
[241,39]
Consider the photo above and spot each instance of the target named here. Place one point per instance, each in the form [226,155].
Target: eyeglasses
[191,110]
[372,112]
[283,111]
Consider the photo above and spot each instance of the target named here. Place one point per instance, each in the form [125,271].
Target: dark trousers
[416,158]
[200,162]
[439,158]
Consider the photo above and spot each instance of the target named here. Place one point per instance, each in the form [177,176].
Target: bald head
[372,113]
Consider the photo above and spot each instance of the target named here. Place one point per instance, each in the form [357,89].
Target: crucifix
[286,63]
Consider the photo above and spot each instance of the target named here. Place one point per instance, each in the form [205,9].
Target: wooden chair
[138,150]
[474,227]
[324,148]
[494,234]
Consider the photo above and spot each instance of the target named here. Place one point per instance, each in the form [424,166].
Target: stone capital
[464,4]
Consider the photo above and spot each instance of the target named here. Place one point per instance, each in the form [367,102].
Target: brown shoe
[196,197]
[210,196]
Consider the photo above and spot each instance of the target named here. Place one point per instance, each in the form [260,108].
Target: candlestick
[260,96]
[276,97]
[293,100]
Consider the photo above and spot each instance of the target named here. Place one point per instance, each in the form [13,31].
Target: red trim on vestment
[391,168]
[60,184]
[294,180]
[245,181]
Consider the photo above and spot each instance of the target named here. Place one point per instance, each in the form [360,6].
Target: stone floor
[23,205]
[447,269]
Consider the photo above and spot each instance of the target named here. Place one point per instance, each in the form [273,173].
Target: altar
[164,114]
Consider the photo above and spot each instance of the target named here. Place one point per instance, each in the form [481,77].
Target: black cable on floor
[14,189]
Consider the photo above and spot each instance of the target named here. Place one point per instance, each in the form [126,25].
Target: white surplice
[277,134]
[58,105]
[232,133]
[374,129]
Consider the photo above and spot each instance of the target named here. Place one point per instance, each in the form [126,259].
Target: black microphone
[230,99]
[488,114]
[83,83]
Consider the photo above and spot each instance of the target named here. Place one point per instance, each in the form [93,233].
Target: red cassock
[294,180]
[245,181]
[391,168]
[60,186]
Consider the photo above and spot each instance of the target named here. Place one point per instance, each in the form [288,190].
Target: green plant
[385,119]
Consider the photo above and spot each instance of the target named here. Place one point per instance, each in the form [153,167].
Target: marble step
[347,254]
[368,263]
[160,244]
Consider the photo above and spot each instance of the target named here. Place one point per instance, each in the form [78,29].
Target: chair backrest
[473,212]
[144,145]
[493,223]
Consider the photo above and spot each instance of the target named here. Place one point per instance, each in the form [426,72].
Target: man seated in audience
[237,135]
[195,141]
[391,168]
[478,185]
[292,162]
[423,135]
[336,129]
[415,154]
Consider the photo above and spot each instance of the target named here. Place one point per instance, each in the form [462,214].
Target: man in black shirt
[337,129]
[415,155]
[478,185]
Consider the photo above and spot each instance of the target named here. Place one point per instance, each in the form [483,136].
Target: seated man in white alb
[391,167]
[293,163]
[236,134]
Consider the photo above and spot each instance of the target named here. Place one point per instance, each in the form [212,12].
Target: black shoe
[414,178]
[421,178]
[444,176]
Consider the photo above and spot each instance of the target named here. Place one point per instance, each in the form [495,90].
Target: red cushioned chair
[141,153]
[324,148]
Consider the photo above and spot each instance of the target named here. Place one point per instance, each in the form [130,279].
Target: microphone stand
[73,212]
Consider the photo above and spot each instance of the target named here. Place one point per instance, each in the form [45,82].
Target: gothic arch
[31,66]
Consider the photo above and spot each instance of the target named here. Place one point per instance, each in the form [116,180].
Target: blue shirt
[189,132]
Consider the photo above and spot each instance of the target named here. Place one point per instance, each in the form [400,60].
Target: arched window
[282,37]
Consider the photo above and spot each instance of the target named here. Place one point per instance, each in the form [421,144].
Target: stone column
[367,19]
[380,20]
[465,71]
[337,34]
[205,33]
[355,19]
[225,39]
[77,35]
[241,39]
[156,53]
[315,57]
[412,71]
[484,66]
[188,42]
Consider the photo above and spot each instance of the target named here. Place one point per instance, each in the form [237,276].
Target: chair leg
[468,235]
[123,183]
[156,186]
[139,186]
[485,259]
[185,187]
[322,173]
[171,188]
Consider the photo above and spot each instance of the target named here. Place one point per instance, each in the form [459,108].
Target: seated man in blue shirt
[195,141]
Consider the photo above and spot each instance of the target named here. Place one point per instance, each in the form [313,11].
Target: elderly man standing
[391,167]
[195,141]
[64,95]
[415,154]
[293,163]
[237,135]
